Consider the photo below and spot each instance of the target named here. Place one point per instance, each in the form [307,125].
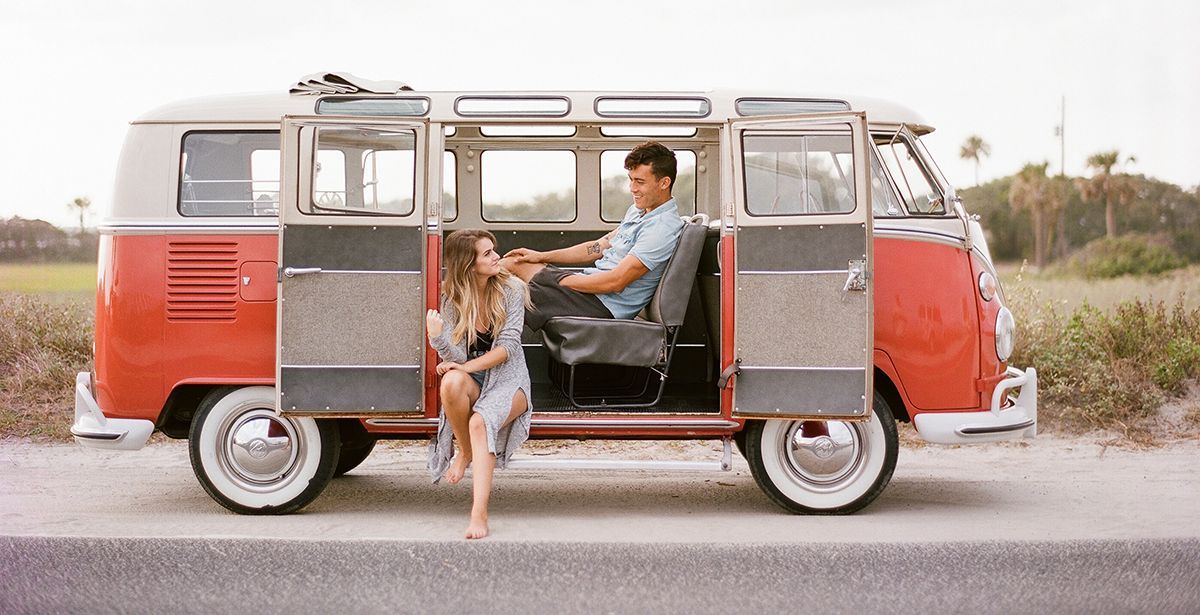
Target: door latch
[856,276]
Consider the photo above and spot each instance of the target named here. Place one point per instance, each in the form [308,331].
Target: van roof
[578,106]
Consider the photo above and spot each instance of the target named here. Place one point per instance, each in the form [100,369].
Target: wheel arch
[890,394]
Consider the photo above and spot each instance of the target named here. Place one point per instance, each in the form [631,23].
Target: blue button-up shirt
[651,238]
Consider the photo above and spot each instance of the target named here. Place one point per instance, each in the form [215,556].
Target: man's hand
[434,324]
[525,255]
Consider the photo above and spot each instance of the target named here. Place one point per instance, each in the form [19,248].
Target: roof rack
[344,83]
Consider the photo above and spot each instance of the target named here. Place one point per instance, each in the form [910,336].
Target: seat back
[670,301]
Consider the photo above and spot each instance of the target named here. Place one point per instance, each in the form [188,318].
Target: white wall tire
[253,462]
[838,470]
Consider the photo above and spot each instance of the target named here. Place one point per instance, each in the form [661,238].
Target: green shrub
[1099,370]
[42,347]
[1125,255]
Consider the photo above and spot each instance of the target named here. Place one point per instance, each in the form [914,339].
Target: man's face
[648,191]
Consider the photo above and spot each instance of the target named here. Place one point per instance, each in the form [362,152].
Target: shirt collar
[669,204]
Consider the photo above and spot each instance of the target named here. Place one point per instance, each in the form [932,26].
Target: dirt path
[1050,489]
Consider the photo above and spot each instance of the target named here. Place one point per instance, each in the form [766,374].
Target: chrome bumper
[93,430]
[1010,418]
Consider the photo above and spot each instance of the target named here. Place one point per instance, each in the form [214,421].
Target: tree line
[1034,216]
[23,240]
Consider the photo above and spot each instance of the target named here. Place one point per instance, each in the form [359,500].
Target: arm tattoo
[594,248]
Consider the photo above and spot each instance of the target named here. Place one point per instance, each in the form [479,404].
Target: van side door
[800,216]
[352,253]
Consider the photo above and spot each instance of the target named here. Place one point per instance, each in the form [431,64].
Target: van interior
[552,186]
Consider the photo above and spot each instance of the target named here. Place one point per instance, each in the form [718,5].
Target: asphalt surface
[1055,526]
[56,574]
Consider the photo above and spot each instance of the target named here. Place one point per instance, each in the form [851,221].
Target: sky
[79,71]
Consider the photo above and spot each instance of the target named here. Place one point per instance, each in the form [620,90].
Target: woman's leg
[459,392]
[485,465]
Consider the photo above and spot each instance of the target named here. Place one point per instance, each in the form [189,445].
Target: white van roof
[579,106]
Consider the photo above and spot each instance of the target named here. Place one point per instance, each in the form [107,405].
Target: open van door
[801,221]
[352,251]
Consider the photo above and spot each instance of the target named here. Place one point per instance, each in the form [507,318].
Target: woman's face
[487,261]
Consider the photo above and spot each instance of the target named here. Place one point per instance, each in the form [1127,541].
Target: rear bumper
[1009,418]
[93,430]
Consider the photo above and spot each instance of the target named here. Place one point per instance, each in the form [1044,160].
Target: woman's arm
[447,350]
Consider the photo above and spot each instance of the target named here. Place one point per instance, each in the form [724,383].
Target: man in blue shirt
[626,264]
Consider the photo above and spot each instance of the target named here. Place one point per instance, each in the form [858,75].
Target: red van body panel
[992,370]
[130,304]
[927,322]
[196,309]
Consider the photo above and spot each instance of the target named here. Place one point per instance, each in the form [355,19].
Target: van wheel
[353,453]
[254,462]
[823,467]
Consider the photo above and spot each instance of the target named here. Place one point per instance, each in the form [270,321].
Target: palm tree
[1111,188]
[975,148]
[1033,190]
[81,203]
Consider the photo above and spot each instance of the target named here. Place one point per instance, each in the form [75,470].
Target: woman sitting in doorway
[485,383]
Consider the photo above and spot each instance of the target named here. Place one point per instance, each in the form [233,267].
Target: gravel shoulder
[1050,489]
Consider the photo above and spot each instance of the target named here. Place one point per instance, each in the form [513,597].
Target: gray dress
[500,384]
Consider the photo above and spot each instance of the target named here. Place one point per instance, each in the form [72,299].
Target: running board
[534,463]
[589,423]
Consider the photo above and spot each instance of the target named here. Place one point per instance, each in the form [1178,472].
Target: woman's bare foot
[457,469]
[478,527]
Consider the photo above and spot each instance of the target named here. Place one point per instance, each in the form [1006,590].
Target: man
[627,263]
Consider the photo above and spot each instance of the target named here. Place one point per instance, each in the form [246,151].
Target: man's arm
[614,281]
[585,253]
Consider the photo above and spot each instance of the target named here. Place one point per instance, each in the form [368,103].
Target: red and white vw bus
[268,259]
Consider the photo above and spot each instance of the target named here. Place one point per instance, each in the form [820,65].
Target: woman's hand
[446,366]
[434,324]
[525,255]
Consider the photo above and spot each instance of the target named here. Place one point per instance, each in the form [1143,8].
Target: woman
[485,384]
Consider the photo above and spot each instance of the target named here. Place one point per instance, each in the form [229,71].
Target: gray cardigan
[500,384]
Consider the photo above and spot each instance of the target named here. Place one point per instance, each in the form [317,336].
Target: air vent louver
[202,281]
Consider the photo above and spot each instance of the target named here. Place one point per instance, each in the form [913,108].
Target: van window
[363,171]
[884,202]
[912,180]
[449,186]
[528,185]
[225,173]
[789,175]
[614,184]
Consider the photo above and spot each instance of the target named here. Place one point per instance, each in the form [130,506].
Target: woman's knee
[477,425]
[455,383]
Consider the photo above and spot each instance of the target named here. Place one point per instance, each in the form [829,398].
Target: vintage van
[267,261]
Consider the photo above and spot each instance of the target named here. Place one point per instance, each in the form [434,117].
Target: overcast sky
[78,72]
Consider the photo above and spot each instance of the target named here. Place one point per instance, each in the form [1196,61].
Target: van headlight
[987,286]
[1006,334]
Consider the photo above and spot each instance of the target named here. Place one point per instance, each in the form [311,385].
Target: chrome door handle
[295,271]
[856,276]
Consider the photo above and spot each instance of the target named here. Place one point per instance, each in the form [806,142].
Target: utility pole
[1060,131]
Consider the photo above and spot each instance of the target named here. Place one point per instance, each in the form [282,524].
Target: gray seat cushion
[575,340]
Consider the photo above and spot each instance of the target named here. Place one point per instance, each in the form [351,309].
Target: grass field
[1071,292]
[50,281]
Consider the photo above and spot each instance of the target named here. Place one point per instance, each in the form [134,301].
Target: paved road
[1055,526]
[78,575]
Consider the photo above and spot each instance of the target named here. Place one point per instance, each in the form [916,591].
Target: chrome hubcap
[823,454]
[258,447]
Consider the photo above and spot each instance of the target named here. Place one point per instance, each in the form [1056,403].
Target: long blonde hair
[459,286]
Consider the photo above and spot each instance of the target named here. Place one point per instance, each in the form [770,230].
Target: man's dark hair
[655,154]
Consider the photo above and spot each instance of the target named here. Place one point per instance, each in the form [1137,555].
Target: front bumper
[94,430]
[1009,418]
